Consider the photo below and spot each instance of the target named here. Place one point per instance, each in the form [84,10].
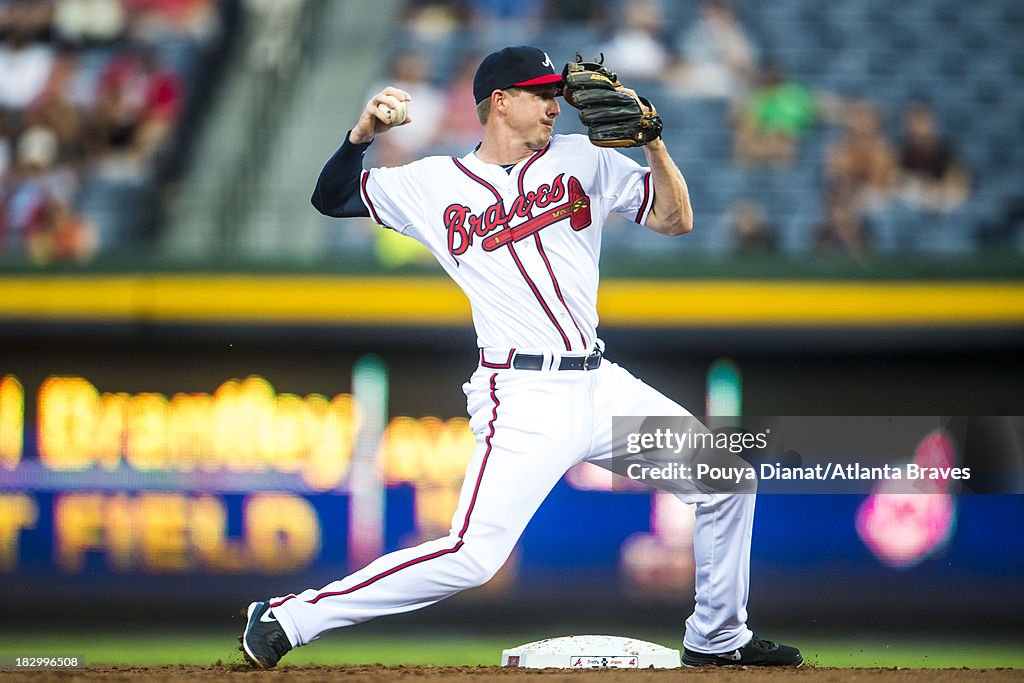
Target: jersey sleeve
[626,185]
[393,196]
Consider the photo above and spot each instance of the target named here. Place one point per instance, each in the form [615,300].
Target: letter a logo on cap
[510,66]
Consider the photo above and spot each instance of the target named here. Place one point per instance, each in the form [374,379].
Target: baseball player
[517,224]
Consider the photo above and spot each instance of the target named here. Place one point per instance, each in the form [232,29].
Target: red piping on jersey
[497,366]
[511,249]
[462,532]
[366,197]
[522,172]
[497,195]
[536,293]
[540,247]
[647,196]
[558,290]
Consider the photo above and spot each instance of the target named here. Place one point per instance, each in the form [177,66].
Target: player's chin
[543,137]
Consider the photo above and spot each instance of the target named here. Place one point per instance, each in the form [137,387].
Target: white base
[591,652]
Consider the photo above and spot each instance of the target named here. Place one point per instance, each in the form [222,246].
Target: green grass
[153,648]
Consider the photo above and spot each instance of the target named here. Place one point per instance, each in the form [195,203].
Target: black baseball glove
[613,118]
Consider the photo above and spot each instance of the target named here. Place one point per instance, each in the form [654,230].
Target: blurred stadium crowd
[857,127]
[93,96]
[801,126]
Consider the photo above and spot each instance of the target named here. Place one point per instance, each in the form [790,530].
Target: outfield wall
[187,475]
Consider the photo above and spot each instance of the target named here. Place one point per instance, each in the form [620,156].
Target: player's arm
[337,189]
[672,213]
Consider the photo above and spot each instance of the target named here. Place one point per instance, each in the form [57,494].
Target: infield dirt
[242,672]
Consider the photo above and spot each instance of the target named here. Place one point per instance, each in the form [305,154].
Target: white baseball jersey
[523,246]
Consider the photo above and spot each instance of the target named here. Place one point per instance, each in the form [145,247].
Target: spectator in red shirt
[137,106]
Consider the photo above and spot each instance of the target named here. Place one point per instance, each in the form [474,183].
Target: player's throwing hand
[387,109]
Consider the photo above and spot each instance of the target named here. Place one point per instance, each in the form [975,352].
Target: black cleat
[756,652]
[264,642]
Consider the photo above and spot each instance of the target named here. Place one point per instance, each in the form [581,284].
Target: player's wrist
[655,145]
[359,138]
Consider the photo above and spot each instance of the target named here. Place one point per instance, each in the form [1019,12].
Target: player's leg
[520,454]
[722,531]
[721,548]
[716,632]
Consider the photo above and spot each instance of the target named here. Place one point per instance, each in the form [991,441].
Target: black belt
[529,361]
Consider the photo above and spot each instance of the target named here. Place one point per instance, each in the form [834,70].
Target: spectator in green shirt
[770,122]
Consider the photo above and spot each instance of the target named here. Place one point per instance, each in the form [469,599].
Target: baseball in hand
[394,116]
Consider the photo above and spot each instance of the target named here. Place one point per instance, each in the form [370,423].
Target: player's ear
[499,101]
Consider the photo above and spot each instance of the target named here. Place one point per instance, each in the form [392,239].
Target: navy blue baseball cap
[521,65]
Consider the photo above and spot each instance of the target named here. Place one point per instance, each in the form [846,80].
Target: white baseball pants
[530,427]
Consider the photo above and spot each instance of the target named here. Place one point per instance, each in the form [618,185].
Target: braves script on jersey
[524,245]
